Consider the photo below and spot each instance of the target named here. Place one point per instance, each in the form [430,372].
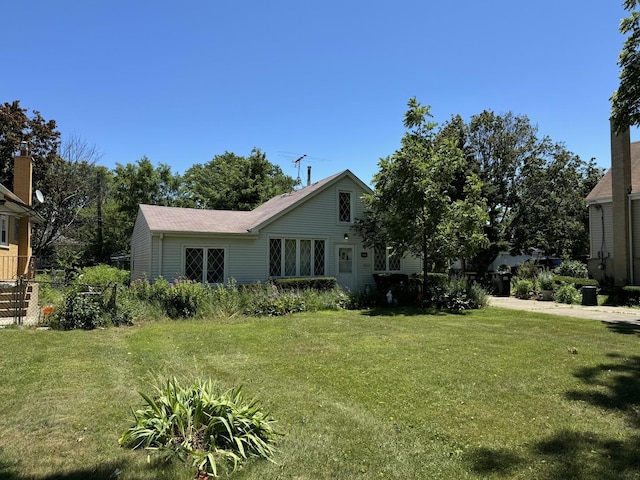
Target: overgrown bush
[567,293]
[577,282]
[102,275]
[523,288]
[181,298]
[80,311]
[321,284]
[210,430]
[458,294]
[528,270]
[269,301]
[572,268]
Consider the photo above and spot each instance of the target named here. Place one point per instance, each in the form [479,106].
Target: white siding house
[305,233]
[603,236]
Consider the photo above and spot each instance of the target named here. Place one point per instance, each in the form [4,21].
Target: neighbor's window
[296,257]
[344,207]
[385,261]
[4,230]
[204,265]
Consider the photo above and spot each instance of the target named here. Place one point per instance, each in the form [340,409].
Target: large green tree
[232,182]
[425,202]
[42,137]
[625,101]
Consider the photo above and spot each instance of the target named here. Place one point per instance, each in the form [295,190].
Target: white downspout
[160,255]
[631,280]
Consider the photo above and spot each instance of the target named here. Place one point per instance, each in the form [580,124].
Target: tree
[497,147]
[232,182]
[133,184]
[625,101]
[551,215]
[425,203]
[41,136]
[68,189]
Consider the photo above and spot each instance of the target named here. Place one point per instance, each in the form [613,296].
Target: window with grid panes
[293,257]
[384,261]
[344,207]
[204,264]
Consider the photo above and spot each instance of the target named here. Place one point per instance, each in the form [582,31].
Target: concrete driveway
[604,314]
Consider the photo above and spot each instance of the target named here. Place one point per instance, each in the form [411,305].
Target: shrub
[523,288]
[545,280]
[80,311]
[577,282]
[103,275]
[183,298]
[202,426]
[268,300]
[458,294]
[528,270]
[631,295]
[322,284]
[572,268]
[567,293]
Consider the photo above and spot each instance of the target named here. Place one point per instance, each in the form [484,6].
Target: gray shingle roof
[602,191]
[192,220]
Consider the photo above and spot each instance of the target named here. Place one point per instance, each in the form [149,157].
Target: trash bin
[589,295]
[501,283]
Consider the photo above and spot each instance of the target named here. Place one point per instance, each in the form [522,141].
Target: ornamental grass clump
[210,430]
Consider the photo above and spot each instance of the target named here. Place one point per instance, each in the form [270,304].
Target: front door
[346,273]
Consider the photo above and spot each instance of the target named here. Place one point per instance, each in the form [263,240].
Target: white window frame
[283,241]
[351,207]
[4,230]
[204,261]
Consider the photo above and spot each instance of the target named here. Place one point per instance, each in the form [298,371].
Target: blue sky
[181,82]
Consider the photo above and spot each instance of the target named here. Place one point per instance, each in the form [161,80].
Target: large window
[4,230]
[344,207]
[204,265]
[296,257]
[385,261]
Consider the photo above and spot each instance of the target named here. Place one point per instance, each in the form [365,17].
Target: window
[294,257]
[344,207]
[204,265]
[4,230]
[384,260]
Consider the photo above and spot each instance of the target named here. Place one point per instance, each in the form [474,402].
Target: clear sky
[181,82]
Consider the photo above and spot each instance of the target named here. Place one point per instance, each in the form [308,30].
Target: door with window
[345,271]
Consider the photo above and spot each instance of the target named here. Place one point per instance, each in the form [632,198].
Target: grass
[392,394]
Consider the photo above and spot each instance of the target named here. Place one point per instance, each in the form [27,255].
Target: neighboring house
[304,233]
[18,301]
[614,217]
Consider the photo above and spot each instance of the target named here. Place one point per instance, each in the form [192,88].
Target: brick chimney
[620,189]
[23,188]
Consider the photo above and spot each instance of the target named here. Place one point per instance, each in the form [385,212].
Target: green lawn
[492,394]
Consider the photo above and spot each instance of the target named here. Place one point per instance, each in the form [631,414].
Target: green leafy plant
[523,288]
[545,280]
[567,293]
[80,312]
[528,270]
[211,430]
[572,268]
[102,275]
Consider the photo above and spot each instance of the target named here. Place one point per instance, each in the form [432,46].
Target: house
[18,300]
[305,233]
[614,216]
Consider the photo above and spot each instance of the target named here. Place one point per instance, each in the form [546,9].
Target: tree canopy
[233,182]
[425,202]
[625,101]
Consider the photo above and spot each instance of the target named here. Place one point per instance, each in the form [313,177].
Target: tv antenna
[297,163]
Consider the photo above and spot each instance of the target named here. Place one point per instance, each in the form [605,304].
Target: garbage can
[589,295]
[501,282]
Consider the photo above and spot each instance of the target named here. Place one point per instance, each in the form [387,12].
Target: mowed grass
[393,394]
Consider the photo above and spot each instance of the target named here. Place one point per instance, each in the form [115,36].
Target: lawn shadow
[110,471]
[486,461]
[624,328]
[616,386]
[402,311]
